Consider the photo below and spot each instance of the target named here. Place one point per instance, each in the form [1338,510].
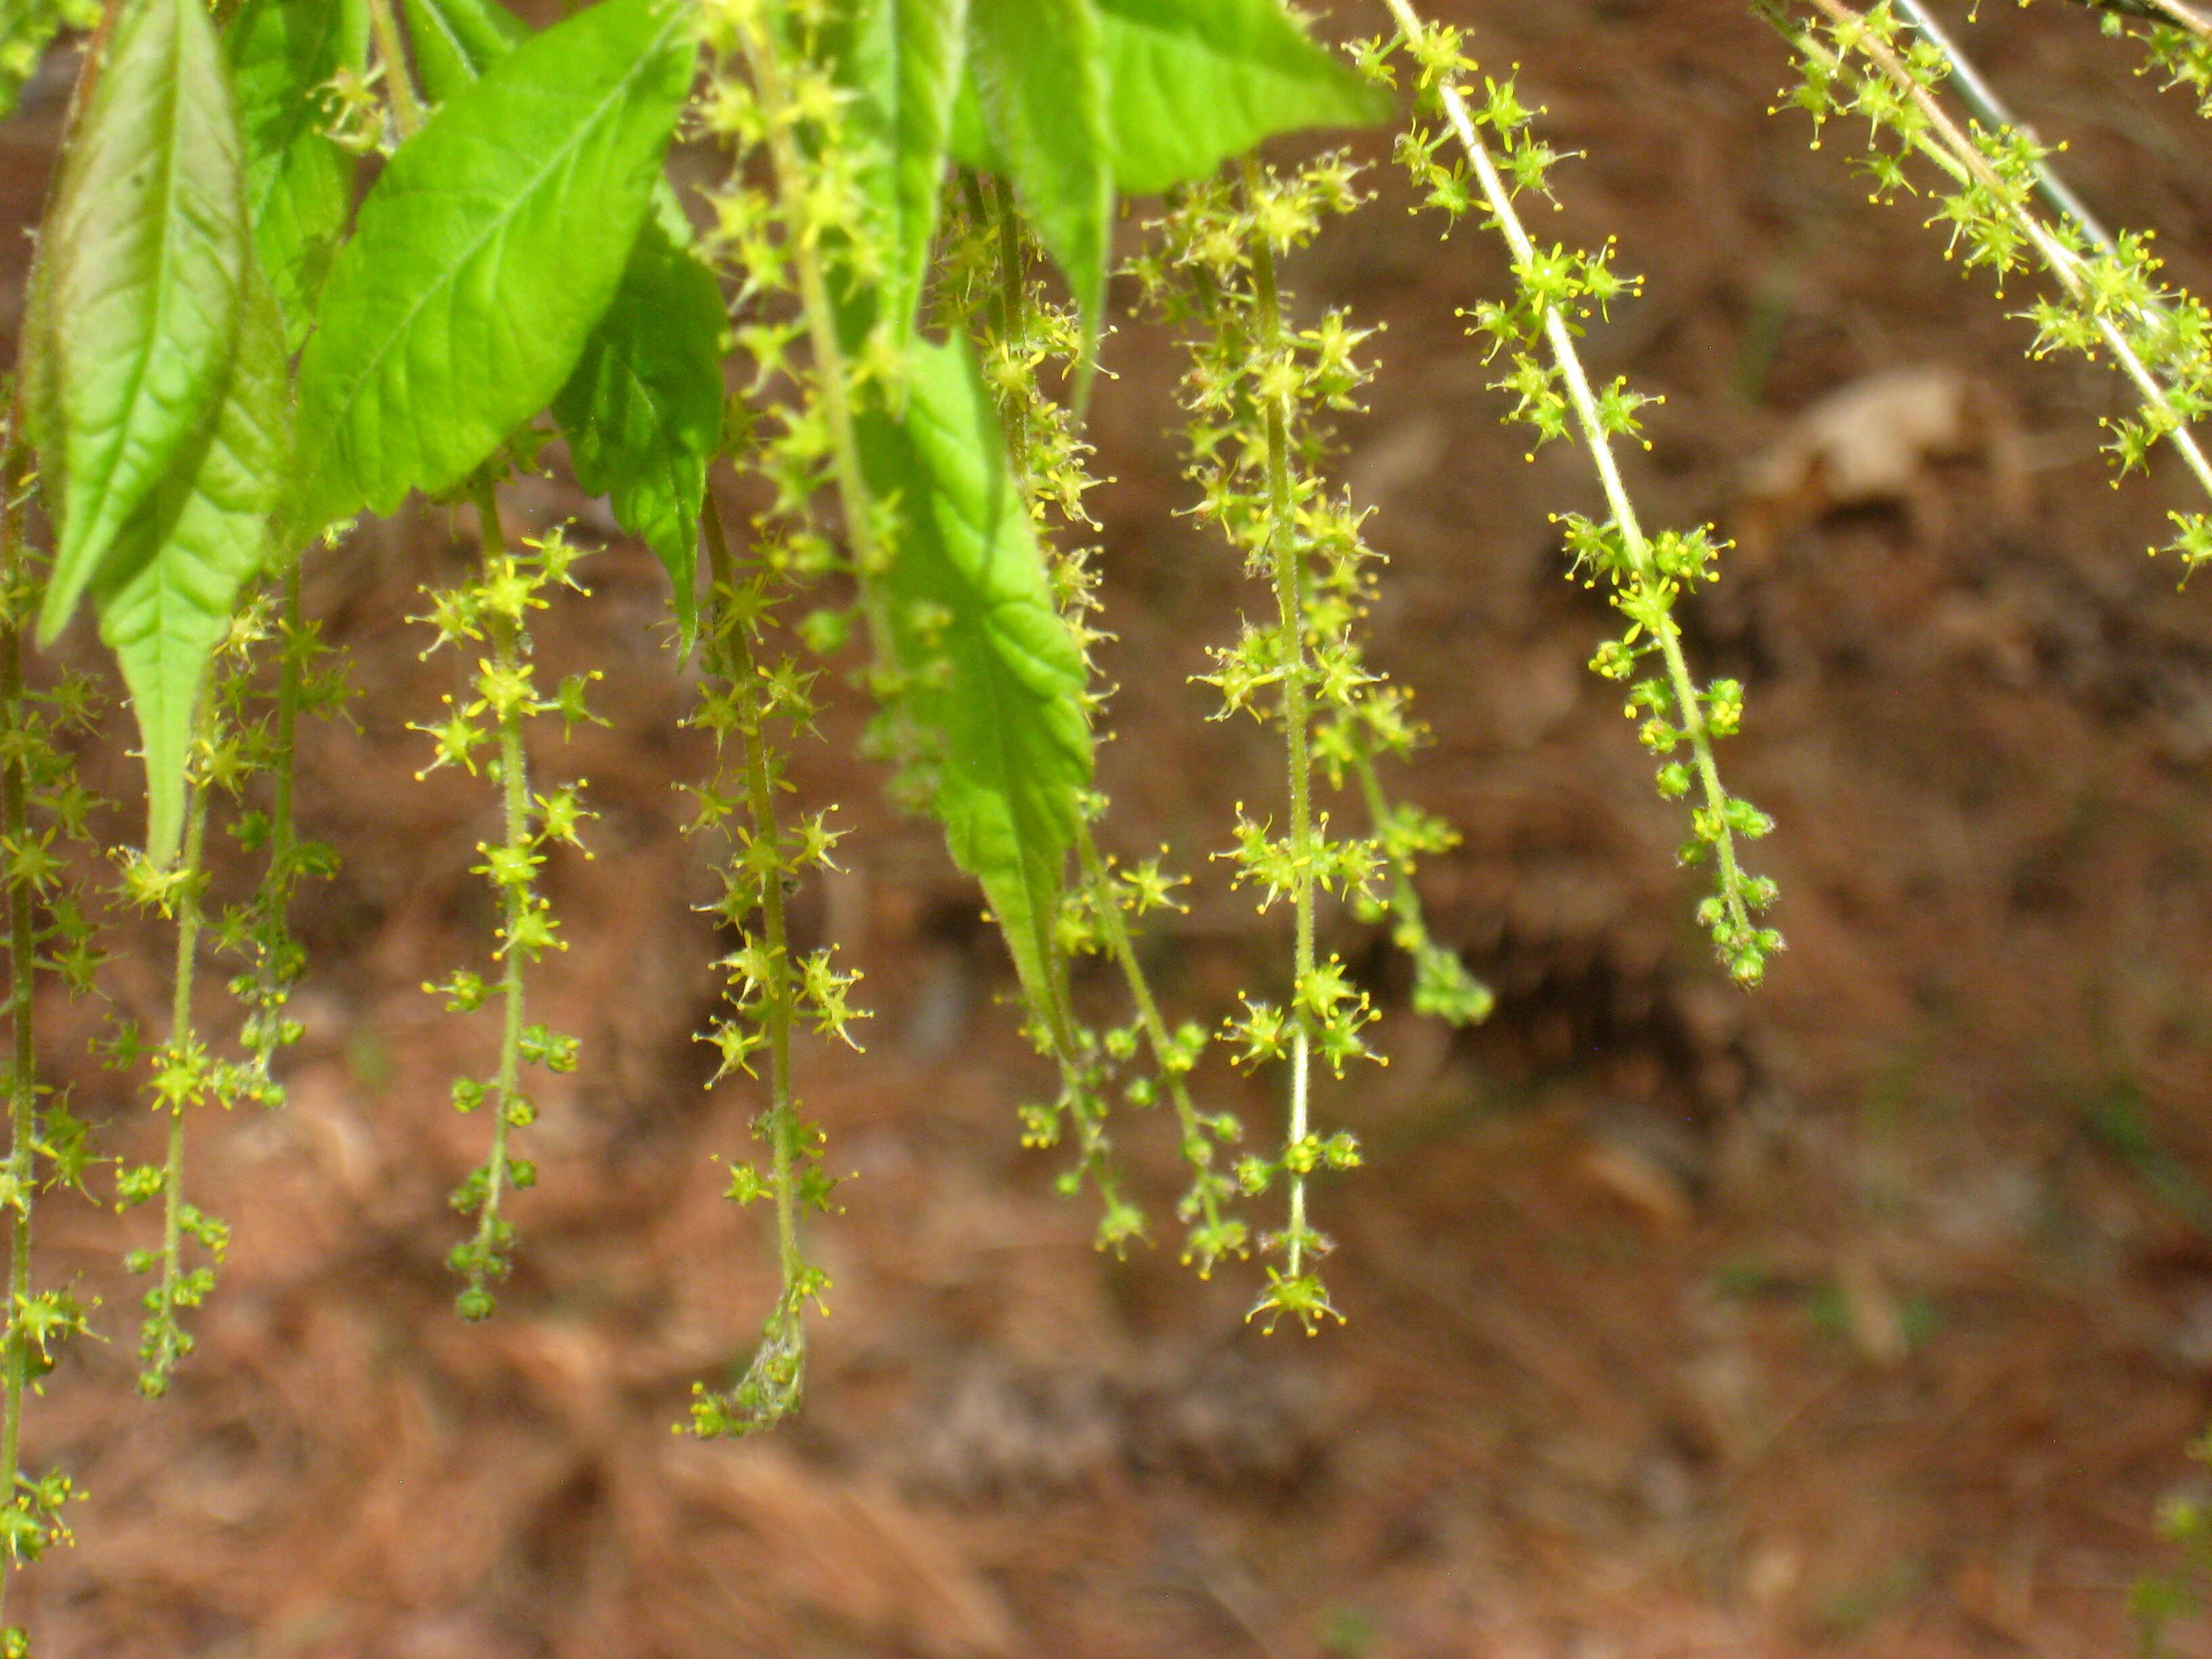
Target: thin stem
[1123,949]
[406,103]
[730,642]
[831,371]
[515,800]
[1980,97]
[1288,567]
[832,384]
[15,830]
[1405,897]
[291,668]
[274,967]
[1959,155]
[1013,310]
[1560,338]
[167,1348]
[2179,13]
[22,962]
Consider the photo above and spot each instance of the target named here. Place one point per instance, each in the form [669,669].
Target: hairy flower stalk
[1294,673]
[827,248]
[1257,391]
[230,743]
[28,1529]
[22,1071]
[37,780]
[1020,336]
[1212,1231]
[41,803]
[493,613]
[1555,288]
[2111,297]
[769,992]
[2176,34]
[486,1254]
[259,930]
[1443,987]
[398,79]
[184,1075]
[1989,109]
[833,380]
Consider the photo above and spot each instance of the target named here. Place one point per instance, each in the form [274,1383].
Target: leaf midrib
[163,263]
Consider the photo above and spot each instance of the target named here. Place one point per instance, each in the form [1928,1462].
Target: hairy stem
[291,668]
[23,966]
[730,645]
[833,384]
[1287,565]
[506,643]
[1405,898]
[1123,949]
[406,102]
[831,371]
[1013,308]
[1954,150]
[2181,14]
[276,963]
[1980,97]
[168,1346]
[1560,339]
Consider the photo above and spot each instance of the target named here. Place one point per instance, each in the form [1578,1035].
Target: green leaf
[456,41]
[146,251]
[904,57]
[299,184]
[1192,82]
[483,258]
[1196,81]
[996,682]
[643,410]
[194,542]
[1039,68]
[971,139]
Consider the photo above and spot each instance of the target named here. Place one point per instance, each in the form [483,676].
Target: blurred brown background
[1870,1314]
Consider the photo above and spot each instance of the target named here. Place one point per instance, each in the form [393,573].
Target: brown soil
[1871,1312]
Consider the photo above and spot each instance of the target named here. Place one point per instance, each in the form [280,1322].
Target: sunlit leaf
[1039,71]
[144,255]
[1197,82]
[483,258]
[299,184]
[904,57]
[455,41]
[191,546]
[643,410]
[1192,83]
[996,682]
